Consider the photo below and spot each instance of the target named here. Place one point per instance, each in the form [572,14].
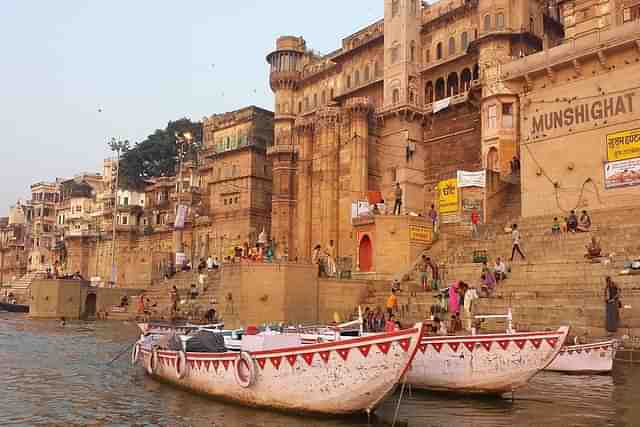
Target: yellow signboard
[420,234]
[623,145]
[448,196]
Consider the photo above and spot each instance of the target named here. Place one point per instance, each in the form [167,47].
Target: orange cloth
[392,301]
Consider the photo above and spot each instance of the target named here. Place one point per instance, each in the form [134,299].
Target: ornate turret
[286,62]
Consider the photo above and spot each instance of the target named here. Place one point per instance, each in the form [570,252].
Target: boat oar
[129,346]
[395,415]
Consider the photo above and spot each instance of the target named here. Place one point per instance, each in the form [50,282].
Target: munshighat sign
[580,113]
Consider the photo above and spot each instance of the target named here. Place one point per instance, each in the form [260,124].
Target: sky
[75,73]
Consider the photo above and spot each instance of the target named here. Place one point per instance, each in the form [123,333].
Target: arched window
[356,78]
[395,8]
[348,82]
[500,21]
[476,72]
[299,107]
[464,41]
[331,94]
[315,100]
[440,88]
[452,46]
[487,22]
[395,53]
[412,51]
[428,93]
[532,25]
[377,71]
[492,159]
[367,74]
[439,50]
[427,56]
[396,96]
[465,79]
[452,84]
[323,98]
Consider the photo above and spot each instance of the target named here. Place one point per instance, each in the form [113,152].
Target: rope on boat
[125,350]
[395,415]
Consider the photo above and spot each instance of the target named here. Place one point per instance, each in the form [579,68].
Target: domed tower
[285,74]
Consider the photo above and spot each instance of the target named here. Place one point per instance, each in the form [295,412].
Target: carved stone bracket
[577,67]
[551,74]
[602,58]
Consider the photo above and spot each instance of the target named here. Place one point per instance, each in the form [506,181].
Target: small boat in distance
[342,377]
[14,308]
[595,358]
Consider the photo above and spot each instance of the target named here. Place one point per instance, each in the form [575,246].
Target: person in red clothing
[391,324]
[475,220]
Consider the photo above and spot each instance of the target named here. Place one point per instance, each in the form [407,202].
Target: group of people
[572,224]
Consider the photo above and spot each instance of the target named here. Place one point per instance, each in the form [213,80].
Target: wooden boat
[492,364]
[14,308]
[341,377]
[596,358]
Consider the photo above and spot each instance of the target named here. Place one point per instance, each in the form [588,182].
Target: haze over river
[59,376]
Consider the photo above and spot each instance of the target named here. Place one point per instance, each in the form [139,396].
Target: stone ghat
[556,285]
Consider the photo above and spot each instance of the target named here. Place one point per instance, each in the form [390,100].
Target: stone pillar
[359,109]
[304,131]
[329,153]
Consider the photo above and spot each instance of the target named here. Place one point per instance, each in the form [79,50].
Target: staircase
[21,288]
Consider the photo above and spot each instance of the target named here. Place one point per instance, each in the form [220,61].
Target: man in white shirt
[515,238]
[500,269]
[210,263]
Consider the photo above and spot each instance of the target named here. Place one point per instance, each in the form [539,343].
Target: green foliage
[157,155]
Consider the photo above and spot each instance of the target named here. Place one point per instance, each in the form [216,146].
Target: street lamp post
[116,146]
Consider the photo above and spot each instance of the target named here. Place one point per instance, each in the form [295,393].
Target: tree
[156,155]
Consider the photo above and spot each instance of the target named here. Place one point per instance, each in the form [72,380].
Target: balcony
[282,149]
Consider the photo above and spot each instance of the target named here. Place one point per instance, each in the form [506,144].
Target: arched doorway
[90,306]
[365,254]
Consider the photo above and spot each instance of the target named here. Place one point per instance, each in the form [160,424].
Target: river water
[60,376]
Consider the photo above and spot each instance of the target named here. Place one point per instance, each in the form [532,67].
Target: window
[631,13]
[427,56]
[412,51]
[126,201]
[225,202]
[452,46]
[464,41]
[237,200]
[395,53]
[367,74]
[396,96]
[487,22]
[306,103]
[439,50]
[395,8]
[348,82]
[315,100]
[376,69]
[491,117]
[507,115]
[323,98]
[299,107]
[500,21]
[356,78]
[125,219]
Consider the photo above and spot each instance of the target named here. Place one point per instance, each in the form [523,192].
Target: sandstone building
[456,85]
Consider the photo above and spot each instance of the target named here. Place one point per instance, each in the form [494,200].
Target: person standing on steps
[613,304]
[423,273]
[515,238]
[475,220]
[433,214]
[397,207]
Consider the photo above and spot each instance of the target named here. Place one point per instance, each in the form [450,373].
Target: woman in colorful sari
[454,300]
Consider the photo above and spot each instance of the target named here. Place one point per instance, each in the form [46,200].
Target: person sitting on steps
[584,224]
[593,249]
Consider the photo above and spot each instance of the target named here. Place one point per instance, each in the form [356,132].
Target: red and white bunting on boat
[520,343]
[308,357]
[384,347]
[486,345]
[216,363]
[453,345]
[536,342]
[404,344]
[470,345]
[423,348]
[504,344]
[324,355]
[199,364]
[364,350]
[344,353]
[553,341]
[291,358]
[437,346]
[207,365]
[261,362]
[275,361]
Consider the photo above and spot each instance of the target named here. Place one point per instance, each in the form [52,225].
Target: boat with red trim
[491,363]
[341,377]
[594,358]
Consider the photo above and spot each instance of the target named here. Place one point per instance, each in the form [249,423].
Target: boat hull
[483,364]
[596,358]
[337,378]
[14,308]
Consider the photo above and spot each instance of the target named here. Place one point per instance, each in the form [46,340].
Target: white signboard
[441,104]
[622,173]
[181,216]
[472,179]
[363,208]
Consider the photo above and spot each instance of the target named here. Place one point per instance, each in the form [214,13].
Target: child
[564,227]
[555,228]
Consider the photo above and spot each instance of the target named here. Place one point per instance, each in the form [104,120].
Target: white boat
[493,363]
[585,358]
[341,377]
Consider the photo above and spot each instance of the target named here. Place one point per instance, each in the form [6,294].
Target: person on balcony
[584,224]
[397,207]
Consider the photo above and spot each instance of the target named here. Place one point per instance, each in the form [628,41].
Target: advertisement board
[472,179]
[420,234]
[448,196]
[623,145]
[622,173]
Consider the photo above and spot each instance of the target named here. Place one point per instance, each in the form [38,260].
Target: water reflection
[59,376]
